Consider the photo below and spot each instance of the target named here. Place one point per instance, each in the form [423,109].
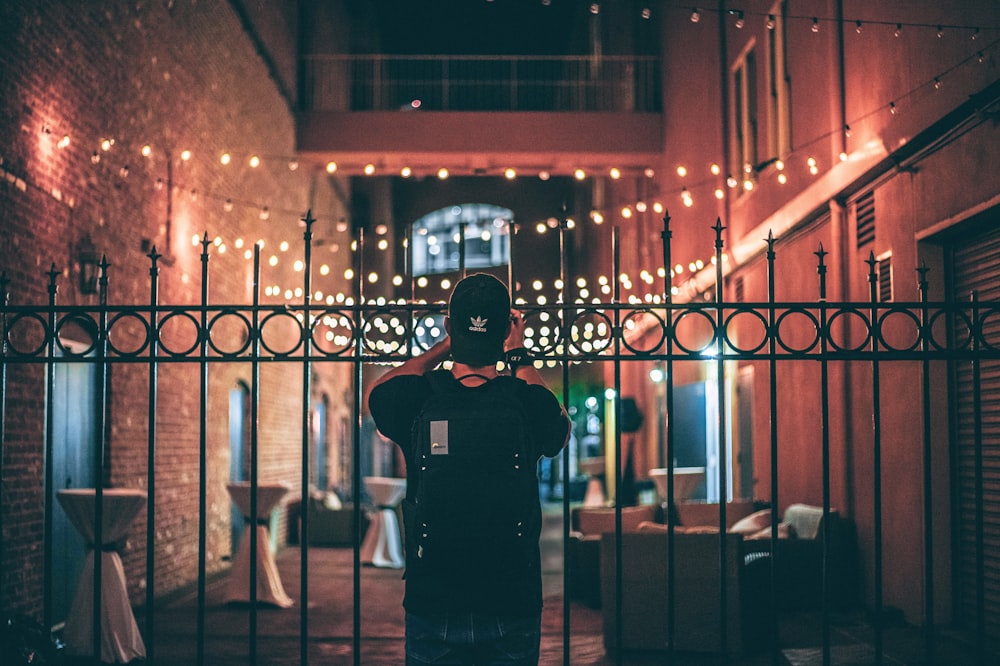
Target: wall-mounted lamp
[87,256]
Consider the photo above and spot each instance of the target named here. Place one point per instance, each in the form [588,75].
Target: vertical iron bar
[356,435]
[772,363]
[307,330]
[254,443]
[565,336]
[668,298]
[100,455]
[825,411]
[4,302]
[879,626]
[977,411]
[720,387]
[50,369]
[203,450]
[461,249]
[928,470]
[617,334]
[154,273]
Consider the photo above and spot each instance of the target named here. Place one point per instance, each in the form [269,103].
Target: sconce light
[87,256]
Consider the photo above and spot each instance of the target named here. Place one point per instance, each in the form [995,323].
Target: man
[475,610]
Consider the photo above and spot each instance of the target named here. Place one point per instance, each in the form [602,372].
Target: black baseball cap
[479,314]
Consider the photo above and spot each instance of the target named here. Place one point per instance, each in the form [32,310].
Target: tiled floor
[330,618]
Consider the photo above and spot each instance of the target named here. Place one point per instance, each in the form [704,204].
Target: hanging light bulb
[695,15]
[331,167]
[770,22]
[898,31]
[815,25]
[740,22]
[254,161]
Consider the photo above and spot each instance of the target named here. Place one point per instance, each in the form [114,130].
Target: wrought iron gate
[771,334]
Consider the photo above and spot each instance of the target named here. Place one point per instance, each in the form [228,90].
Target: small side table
[382,546]
[121,641]
[269,587]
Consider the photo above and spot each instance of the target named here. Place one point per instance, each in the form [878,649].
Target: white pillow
[755,522]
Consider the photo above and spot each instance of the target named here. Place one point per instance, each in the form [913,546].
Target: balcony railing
[481,83]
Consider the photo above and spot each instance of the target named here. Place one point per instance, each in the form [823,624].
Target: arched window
[437,235]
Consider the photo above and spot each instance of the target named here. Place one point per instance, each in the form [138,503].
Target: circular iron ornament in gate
[813,326]
[218,325]
[332,332]
[844,317]
[937,321]
[281,325]
[26,320]
[634,319]
[384,331]
[170,327]
[887,335]
[756,317]
[122,323]
[681,323]
[591,331]
[87,324]
[962,328]
[989,329]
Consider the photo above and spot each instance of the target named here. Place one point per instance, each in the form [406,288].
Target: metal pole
[307,331]
[203,450]
[154,274]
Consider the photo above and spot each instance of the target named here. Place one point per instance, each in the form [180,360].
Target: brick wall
[173,76]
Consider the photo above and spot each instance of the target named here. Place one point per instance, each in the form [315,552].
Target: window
[779,115]
[744,82]
[437,238]
[884,269]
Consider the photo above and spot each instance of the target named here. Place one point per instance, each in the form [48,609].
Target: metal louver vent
[866,219]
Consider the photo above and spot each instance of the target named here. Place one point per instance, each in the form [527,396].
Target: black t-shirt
[394,406]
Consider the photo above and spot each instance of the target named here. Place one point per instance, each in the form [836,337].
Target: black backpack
[472,496]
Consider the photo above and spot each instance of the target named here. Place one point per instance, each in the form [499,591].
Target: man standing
[472,437]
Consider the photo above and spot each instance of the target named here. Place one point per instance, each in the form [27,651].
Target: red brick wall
[173,76]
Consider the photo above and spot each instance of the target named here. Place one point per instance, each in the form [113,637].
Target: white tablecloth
[120,637]
[269,587]
[382,546]
[686,479]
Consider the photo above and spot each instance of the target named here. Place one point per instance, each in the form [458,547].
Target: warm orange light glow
[331,167]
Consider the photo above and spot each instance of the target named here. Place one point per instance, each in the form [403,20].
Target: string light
[331,167]
[695,15]
[815,25]
[770,22]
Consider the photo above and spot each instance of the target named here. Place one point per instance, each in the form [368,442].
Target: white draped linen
[269,587]
[382,546]
[121,641]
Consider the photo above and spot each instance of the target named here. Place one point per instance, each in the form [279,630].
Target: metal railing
[822,333]
[481,83]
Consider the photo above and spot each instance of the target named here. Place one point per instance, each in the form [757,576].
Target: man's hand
[515,338]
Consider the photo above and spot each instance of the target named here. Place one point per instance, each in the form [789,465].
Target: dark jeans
[467,639]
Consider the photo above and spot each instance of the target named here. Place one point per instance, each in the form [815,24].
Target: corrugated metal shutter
[976,266]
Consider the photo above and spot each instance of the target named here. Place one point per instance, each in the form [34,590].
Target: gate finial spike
[871,261]
[308,220]
[821,254]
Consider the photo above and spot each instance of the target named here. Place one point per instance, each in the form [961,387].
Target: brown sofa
[587,524]
[333,526]
[798,566]
[697,591]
